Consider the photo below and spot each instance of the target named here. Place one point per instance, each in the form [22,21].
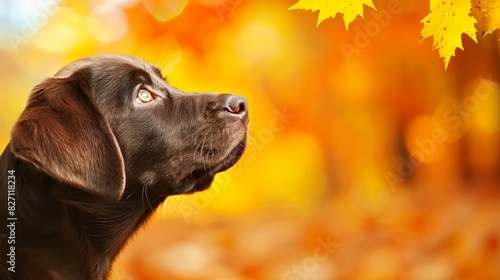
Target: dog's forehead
[102,60]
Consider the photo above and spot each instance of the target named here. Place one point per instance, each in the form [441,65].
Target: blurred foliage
[359,140]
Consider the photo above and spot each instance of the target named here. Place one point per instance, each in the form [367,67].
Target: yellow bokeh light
[107,23]
[57,38]
[257,42]
[164,10]
[296,182]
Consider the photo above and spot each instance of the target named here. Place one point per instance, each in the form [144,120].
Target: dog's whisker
[142,198]
[130,195]
[147,197]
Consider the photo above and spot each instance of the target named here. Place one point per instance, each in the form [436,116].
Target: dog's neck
[108,224]
[95,227]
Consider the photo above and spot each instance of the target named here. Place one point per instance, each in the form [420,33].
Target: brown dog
[99,147]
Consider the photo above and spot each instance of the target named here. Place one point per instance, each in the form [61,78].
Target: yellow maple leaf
[446,22]
[330,8]
[492,16]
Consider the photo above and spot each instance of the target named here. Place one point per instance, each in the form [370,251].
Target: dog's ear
[63,134]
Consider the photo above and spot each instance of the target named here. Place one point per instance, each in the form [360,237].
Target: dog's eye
[144,96]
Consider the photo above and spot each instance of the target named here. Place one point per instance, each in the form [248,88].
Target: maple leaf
[446,22]
[330,8]
[492,16]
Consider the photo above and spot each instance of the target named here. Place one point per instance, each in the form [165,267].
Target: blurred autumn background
[367,160]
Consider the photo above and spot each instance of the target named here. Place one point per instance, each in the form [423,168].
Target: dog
[97,149]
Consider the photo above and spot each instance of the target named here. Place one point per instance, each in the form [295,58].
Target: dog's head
[110,121]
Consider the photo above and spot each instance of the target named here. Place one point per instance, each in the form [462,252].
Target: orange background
[328,188]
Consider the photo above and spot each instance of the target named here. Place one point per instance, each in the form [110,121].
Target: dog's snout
[235,105]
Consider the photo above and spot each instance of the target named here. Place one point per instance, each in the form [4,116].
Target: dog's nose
[235,105]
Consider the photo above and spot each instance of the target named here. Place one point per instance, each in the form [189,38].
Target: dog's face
[118,115]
